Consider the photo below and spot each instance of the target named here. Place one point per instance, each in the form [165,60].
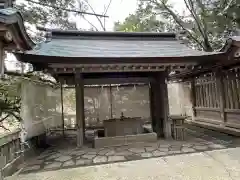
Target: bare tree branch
[203,9]
[2,126]
[99,20]
[227,6]
[90,23]
[65,9]
[4,118]
[205,28]
[191,9]
[178,21]
[200,26]
[105,12]
[10,112]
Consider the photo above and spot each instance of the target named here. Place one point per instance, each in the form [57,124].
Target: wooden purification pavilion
[79,58]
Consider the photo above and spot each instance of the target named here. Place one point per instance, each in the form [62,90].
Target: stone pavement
[68,157]
[208,165]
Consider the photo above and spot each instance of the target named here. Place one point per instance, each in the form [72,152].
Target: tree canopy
[206,23]
[41,13]
[61,14]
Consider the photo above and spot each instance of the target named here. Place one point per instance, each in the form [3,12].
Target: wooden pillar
[160,110]
[1,59]
[111,101]
[79,87]
[193,96]
[221,94]
[151,106]
[154,105]
[3,162]
[162,78]
[62,109]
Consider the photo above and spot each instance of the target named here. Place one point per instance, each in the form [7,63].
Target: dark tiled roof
[114,44]
[13,20]
[8,11]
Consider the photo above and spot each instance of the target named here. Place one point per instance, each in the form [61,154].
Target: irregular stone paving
[56,158]
[221,164]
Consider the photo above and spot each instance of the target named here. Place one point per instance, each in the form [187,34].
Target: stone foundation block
[100,142]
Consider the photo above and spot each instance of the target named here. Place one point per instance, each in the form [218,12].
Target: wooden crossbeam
[86,68]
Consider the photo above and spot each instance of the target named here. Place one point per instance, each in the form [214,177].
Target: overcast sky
[118,11]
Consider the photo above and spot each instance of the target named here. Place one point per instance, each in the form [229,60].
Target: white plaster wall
[179,99]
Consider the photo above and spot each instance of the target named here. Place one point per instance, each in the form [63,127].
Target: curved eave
[185,76]
[231,49]
[15,25]
[42,59]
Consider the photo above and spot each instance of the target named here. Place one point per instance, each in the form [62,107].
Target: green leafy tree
[206,25]
[42,13]
[9,100]
[10,96]
[143,20]
[59,13]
